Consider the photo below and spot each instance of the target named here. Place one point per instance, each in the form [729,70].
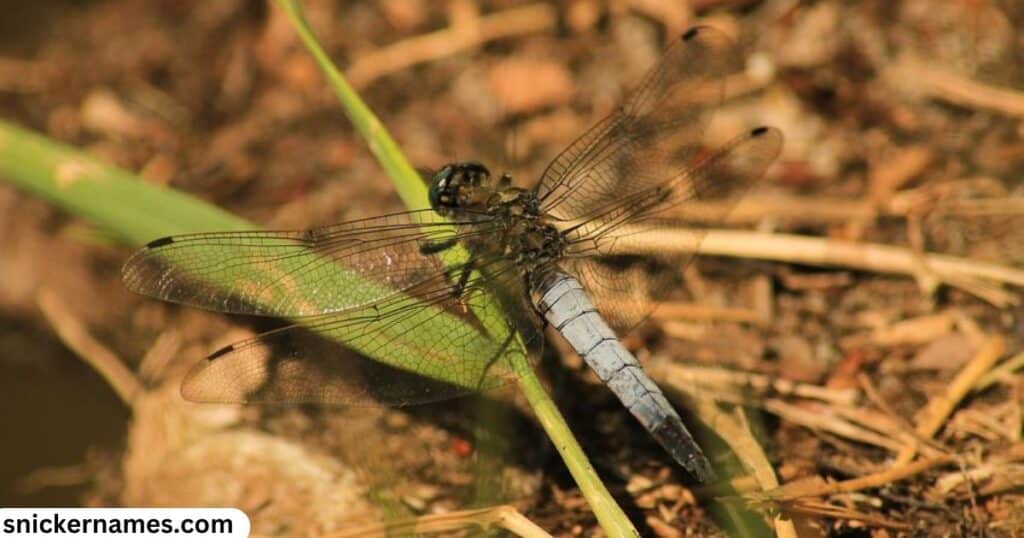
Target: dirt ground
[852,352]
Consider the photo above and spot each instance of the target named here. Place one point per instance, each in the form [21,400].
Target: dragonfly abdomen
[565,305]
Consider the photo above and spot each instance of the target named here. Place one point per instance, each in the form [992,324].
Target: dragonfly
[442,301]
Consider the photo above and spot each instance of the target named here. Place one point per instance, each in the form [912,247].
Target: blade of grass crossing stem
[410,187]
[138,211]
[111,198]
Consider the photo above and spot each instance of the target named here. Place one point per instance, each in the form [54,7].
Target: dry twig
[927,78]
[1004,371]
[501,517]
[896,170]
[820,417]
[76,336]
[819,488]
[814,251]
[933,415]
[837,512]
[718,381]
[456,38]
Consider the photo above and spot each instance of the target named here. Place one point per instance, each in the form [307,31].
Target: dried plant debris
[852,335]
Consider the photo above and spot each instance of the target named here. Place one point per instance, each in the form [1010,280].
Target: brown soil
[903,124]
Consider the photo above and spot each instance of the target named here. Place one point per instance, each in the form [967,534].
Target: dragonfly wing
[295,273]
[626,288]
[617,287]
[460,345]
[659,124]
[719,180]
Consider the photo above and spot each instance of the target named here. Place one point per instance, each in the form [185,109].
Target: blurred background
[903,121]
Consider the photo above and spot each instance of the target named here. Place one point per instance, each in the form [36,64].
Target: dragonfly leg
[433,247]
[465,271]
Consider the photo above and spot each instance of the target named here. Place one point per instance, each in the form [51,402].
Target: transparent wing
[626,288]
[296,273]
[461,345]
[640,144]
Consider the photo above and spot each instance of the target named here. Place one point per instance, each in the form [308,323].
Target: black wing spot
[220,352]
[690,33]
[157,243]
[759,131]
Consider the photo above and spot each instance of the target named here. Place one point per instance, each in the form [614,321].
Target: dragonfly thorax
[466,190]
[532,243]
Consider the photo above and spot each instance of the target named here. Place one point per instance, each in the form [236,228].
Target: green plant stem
[609,515]
[409,186]
[407,181]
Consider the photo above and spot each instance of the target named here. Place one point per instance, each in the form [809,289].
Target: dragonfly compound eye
[439,187]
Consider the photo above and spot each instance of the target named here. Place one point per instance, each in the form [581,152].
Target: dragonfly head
[459,186]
